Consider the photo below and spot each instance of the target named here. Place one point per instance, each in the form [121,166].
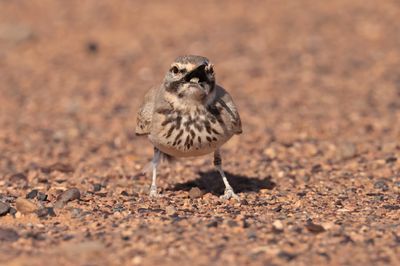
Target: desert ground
[317,84]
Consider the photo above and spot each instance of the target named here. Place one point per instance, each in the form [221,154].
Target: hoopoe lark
[188,115]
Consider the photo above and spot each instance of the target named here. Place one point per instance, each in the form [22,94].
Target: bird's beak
[197,75]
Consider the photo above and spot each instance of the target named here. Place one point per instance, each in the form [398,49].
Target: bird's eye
[175,70]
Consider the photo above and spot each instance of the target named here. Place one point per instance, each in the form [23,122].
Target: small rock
[68,237]
[391,207]
[25,206]
[124,193]
[4,208]
[60,167]
[76,212]
[316,168]
[391,159]
[286,255]
[277,226]
[118,207]
[32,194]
[195,193]
[12,211]
[96,187]
[68,195]
[213,223]
[232,223]
[18,177]
[382,185]
[42,212]
[252,235]
[346,150]
[170,210]
[8,235]
[41,196]
[137,260]
[92,47]
[270,152]
[314,228]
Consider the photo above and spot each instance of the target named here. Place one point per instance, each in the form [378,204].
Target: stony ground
[317,84]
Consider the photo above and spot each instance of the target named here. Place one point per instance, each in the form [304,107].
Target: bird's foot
[229,194]
[153,192]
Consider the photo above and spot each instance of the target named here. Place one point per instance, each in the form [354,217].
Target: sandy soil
[317,84]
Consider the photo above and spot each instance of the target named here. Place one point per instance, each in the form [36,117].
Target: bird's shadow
[211,182]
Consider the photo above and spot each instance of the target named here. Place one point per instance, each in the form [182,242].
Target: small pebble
[213,223]
[314,228]
[232,223]
[12,211]
[60,167]
[277,226]
[42,212]
[124,193]
[346,150]
[92,47]
[286,255]
[8,235]
[391,159]
[76,212]
[170,210]
[18,177]
[68,195]
[118,207]
[96,187]
[195,193]
[25,206]
[382,185]
[32,194]
[41,196]
[4,208]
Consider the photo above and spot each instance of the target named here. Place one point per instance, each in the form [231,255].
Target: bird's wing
[227,103]
[145,114]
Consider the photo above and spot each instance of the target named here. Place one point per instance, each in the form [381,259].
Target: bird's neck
[189,105]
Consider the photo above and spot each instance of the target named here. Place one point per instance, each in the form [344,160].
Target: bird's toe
[229,194]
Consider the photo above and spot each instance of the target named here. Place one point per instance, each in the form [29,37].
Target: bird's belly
[188,146]
[189,137]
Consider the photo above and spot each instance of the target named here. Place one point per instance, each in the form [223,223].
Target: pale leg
[229,193]
[154,164]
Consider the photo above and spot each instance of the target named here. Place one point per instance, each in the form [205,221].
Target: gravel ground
[317,84]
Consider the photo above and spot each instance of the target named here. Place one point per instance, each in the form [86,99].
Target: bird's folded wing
[145,114]
[226,100]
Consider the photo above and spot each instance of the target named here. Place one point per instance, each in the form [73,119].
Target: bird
[188,115]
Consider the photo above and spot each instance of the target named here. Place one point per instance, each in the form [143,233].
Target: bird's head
[190,77]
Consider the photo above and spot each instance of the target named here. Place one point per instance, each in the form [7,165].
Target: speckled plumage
[188,115]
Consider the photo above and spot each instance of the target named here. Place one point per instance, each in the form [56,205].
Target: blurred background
[316,83]
[78,70]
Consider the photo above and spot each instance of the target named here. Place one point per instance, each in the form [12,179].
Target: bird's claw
[229,194]
[153,192]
